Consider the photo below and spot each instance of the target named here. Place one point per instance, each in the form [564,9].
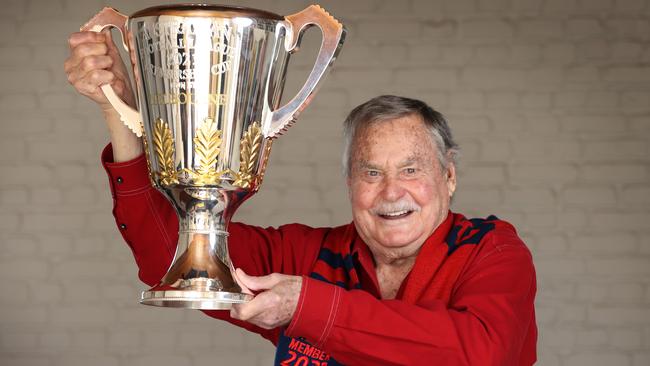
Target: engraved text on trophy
[170,50]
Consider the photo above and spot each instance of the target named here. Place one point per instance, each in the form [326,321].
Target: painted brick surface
[549,99]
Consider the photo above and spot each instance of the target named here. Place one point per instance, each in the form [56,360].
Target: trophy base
[191,297]
[202,300]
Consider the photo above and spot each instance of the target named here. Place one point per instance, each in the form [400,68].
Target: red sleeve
[149,225]
[486,322]
[144,217]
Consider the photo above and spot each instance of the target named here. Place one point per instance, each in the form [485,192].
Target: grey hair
[390,107]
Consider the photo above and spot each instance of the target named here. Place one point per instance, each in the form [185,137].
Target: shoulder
[498,251]
[489,235]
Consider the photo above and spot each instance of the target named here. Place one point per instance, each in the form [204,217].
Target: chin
[398,240]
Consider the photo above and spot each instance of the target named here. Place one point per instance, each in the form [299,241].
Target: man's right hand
[94,61]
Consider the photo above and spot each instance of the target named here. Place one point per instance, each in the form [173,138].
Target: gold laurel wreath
[207,143]
[249,152]
[164,148]
[207,146]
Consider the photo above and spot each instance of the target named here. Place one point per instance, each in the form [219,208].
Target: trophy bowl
[208,85]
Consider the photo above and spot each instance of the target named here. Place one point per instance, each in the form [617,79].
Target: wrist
[126,151]
[126,145]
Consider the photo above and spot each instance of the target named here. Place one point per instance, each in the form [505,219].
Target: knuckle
[83,88]
[239,314]
[72,39]
[275,298]
[88,63]
[95,76]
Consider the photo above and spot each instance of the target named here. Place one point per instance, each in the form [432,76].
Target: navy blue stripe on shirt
[336,260]
[319,277]
[469,234]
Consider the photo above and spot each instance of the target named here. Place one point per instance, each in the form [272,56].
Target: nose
[392,189]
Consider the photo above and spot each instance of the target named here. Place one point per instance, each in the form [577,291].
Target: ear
[451,178]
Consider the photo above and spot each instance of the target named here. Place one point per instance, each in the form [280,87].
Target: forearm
[357,329]
[149,225]
[126,145]
[485,322]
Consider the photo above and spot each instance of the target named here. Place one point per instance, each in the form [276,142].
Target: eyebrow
[409,161]
[364,164]
[413,159]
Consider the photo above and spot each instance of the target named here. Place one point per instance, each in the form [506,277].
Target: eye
[373,173]
[410,171]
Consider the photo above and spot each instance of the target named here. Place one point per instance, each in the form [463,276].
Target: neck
[391,273]
[395,257]
[391,261]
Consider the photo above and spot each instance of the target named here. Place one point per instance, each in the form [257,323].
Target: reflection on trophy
[209,81]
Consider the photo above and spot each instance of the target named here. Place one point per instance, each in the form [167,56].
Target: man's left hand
[274,306]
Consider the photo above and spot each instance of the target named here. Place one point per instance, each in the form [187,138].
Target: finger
[87,66]
[114,52]
[90,84]
[78,38]
[244,289]
[90,49]
[80,52]
[112,48]
[244,311]
[256,283]
[252,309]
[90,63]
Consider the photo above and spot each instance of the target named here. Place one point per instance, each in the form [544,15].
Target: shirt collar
[365,262]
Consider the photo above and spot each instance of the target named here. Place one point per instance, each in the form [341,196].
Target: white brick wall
[549,99]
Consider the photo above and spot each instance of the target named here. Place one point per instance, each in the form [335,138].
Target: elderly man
[408,282]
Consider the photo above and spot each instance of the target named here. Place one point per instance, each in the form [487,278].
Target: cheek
[362,196]
[429,193]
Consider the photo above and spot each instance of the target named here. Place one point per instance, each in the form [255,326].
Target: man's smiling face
[398,190]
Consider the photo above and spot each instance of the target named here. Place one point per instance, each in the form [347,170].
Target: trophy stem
[200,275]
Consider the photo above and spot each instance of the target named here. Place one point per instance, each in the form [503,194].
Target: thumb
[236,277]
[113,51]
[257,283]
[108,38]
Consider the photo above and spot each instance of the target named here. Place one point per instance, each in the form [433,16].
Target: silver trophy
[209,81]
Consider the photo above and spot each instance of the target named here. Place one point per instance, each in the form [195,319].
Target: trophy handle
[333,37]
[110,17]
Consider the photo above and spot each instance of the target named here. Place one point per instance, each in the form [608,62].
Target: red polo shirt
[469,299]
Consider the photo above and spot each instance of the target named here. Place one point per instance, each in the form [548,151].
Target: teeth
[398,213]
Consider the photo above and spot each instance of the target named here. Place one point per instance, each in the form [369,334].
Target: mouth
[396,215]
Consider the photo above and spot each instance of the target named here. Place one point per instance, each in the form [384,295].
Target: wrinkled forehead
[410,127]
[407,135]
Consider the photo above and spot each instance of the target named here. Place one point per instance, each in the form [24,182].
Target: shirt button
[123,226]
[120,180]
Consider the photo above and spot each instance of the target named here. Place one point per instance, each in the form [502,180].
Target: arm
[149,225]
[94,61]
[488,318]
